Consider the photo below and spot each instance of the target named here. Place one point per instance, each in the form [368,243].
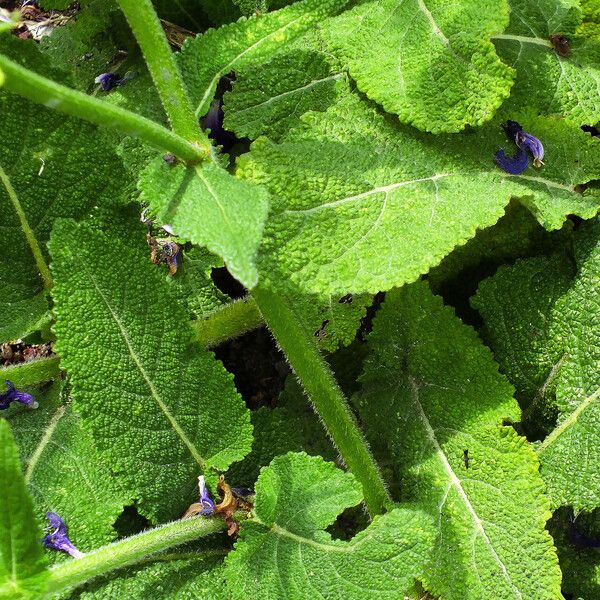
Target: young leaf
[269,98]
[433,399]
[210,207]
[160,412]
[432,63]
[566,86]
[63,473]
[361,204]
[31,372]
[284,552]
[22,563]
[558,353]
[205,59]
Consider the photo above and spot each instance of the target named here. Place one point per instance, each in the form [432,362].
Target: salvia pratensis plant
[300,299]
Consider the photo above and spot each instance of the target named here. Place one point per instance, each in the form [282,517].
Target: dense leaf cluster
[436,431]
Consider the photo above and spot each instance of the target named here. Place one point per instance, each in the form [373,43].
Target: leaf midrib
[147,380]
[456,483]
[568,422]
[32,241]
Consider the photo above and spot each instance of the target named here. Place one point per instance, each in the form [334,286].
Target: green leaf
[361,204]
[22,563]
[160,411]
[432,63]
[555,325]
[269,98]
[51,166]
[284,552]
[205,59]
[62,471]
[431,392]
[85,45]
[210,207]
[516,305]
[170,576]
[567,86]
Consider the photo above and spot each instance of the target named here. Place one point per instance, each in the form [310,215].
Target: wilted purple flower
[58,539]
[170,159]
[108,81]
[12,394]
[514,165]
[208,506]
[526,141]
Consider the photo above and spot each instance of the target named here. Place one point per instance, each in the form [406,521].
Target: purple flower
[526,141]
[514,165]
[108,81]
[208,506]
[12,394]
[58,539]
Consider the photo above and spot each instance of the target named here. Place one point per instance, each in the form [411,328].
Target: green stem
[151,37]
[130,550]
[27,231]
[316,378]
[39,89]
[233,320]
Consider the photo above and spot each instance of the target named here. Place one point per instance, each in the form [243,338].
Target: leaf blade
[22,563]
[129,313]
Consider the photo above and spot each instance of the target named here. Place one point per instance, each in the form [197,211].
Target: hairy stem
[39,89]
[232,320]
[130,550]
[162,66]
[318,381]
